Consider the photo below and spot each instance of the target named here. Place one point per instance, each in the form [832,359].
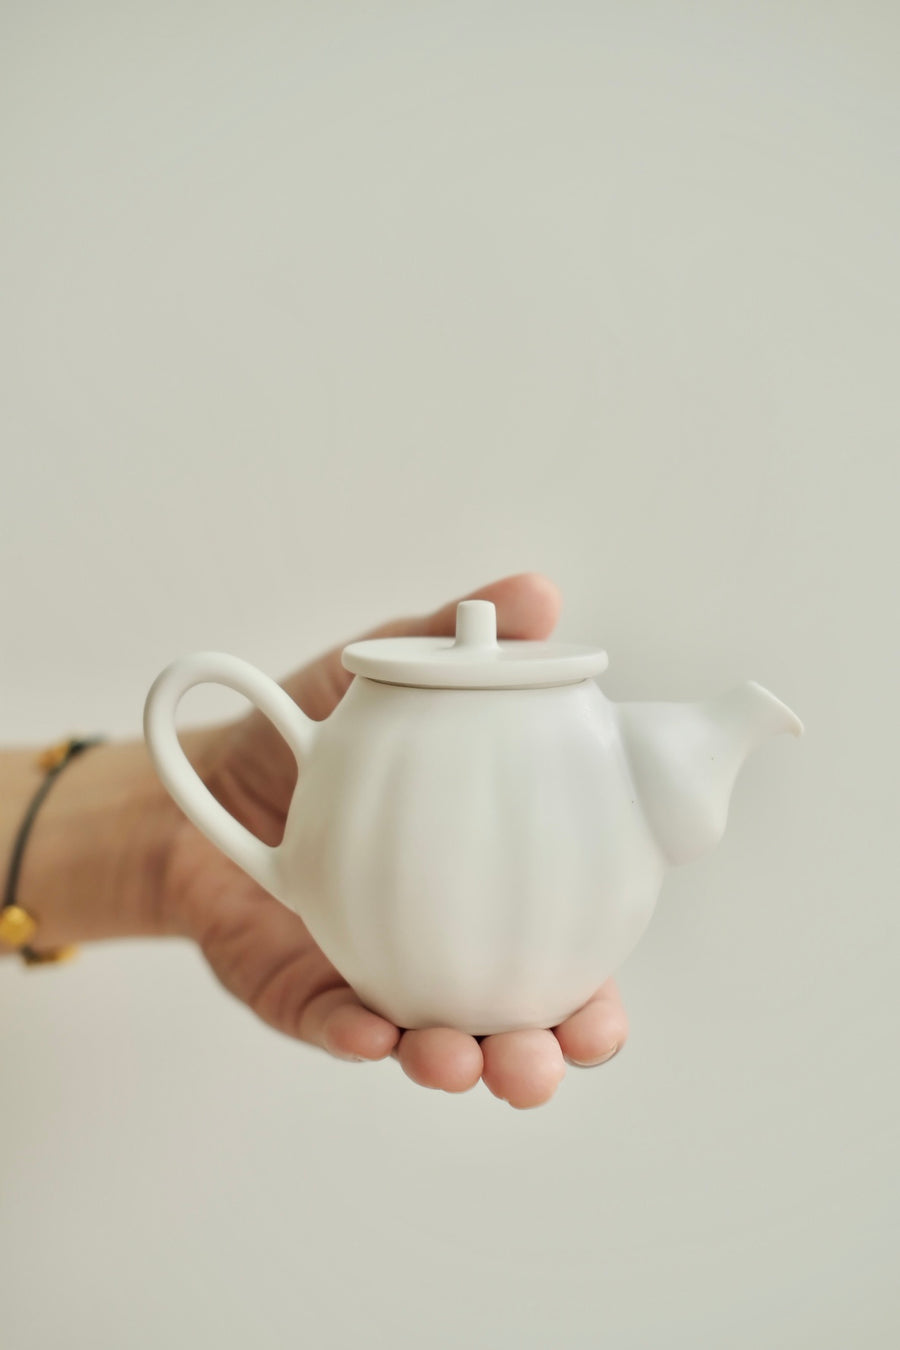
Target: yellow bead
[53,756]
[16,926]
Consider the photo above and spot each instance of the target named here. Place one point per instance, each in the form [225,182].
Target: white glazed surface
[471,858]
[476,857]
[481,858]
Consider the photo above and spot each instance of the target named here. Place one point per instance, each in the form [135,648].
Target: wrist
[95,860]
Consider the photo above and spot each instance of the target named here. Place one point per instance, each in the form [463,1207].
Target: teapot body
[476,858]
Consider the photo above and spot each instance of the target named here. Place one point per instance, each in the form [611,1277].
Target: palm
[265,955]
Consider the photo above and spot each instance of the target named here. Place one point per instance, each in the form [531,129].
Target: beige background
[316,313]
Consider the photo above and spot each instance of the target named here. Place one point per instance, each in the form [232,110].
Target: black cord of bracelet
[73,748]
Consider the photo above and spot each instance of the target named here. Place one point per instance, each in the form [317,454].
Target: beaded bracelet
[17,926]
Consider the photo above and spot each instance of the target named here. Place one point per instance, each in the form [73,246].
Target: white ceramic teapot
[478,836]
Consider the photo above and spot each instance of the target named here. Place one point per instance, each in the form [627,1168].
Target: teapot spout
[759,712]
[685,758]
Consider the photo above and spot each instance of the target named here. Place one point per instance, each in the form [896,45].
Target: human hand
[264,954]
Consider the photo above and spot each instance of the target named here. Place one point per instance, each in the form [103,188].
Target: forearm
[95,859]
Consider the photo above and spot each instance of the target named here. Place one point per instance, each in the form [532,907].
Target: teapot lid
[474,659]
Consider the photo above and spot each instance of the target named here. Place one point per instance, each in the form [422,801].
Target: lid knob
[476,624]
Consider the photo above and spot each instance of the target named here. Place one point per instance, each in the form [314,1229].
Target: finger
[263,954]
[524,1068]
[337,1022]
[595,1032]
[527,607]
[527,604]
[439,1057]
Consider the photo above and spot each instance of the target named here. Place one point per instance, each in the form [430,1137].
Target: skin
[111,855]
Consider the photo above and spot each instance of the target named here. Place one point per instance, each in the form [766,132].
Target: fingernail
[593,1063]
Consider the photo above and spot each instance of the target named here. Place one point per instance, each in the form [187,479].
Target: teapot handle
[181,779]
